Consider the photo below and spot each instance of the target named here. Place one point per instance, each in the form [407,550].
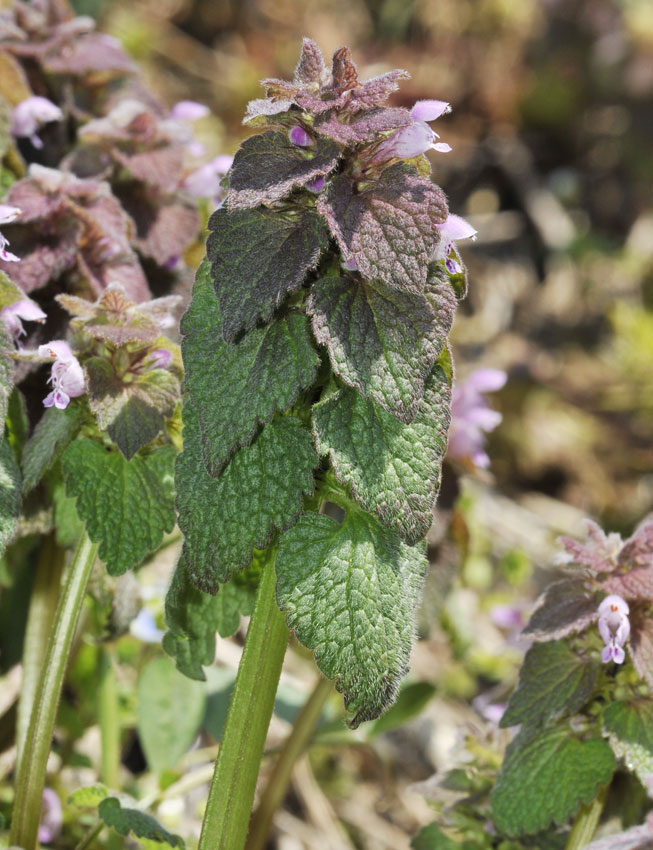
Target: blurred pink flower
[7,214]
[30,115]
[205,181]
[188,110]
[160,359]
[614,628]
[452,229]
[67,376]
[51,817]
[21,310]
[471,416]
[418,137]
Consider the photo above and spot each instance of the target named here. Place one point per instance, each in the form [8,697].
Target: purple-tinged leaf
[389,229]
[259,110]
[268,167]
[114,318]
[641,647]
[565,607]
[164,230]
[93,53]
[599,552]
[310,69]
[132,412]
[636,838]
[376,90]
[44,262]
[638,549]
[637,584]
[161,168]
[382,341]
[363,127]
[257,258]
[343,71]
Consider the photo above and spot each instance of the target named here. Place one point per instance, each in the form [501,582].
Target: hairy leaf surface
[545,777]
[392,469]
[141,824]
[6,369]
[641,647]
[257,257]
[55,429]
[126,505]
[565,607]
[552,680]
[389,228]
[258,492]
[629,726]
[382,341]
[363,127]
[350,592]
[268,167]
[236,387]
[10,493]
[193,617]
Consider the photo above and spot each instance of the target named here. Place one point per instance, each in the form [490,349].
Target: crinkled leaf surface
[350,592]
[257,258]
[193,617]
[132,412]
[363,127]
[388,228]
[545,777]
[565,607]
[236,387]
[6,370]
[392,469]
[629,726]
[170,710]
[55,429]
[641,647]
[635,584]
[126,505]
[267,167]
[258,492]
[552,680]
[10,493]
[381,340]
[140,824]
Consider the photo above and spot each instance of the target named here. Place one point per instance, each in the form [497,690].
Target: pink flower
[316,185]
[160,359]
[30,115]
[188,110]
[7,214]
[205,181]
[51,816]
[298,136]
[451,230]
[471,416]
[67,376]
[418,137]
[614,628]
[23,309]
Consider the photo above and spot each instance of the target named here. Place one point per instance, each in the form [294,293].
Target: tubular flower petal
[614,628]
[30,115]
[471,416]
[160,359]
[452,229]
[21,310]
[7,214]
[417,138]
[67,376]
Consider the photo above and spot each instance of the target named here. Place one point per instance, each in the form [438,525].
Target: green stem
[232,789]
[109,720]
[277,784]
[586,821]
[31,774]
[42,607]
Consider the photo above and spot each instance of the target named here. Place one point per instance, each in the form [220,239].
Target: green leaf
[170,710]
[235,388]
[132,412]
[268,167]
[140,824]
[545,777]
[387,227]
[193,617]
[6,365]
[350,592]
[67,524]
[382,341]
[89,797]
[127,505]
[17,422]
[257,258]
[410,702]
[392,469]
[431,837]
[258,492]
[552,680]
[629,726]
[10,493]
[55,429]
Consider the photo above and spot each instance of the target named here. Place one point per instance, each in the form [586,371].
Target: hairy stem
[586,821]
[109,720]
[42,607]
[279,780]
[31,773]
[232,789]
